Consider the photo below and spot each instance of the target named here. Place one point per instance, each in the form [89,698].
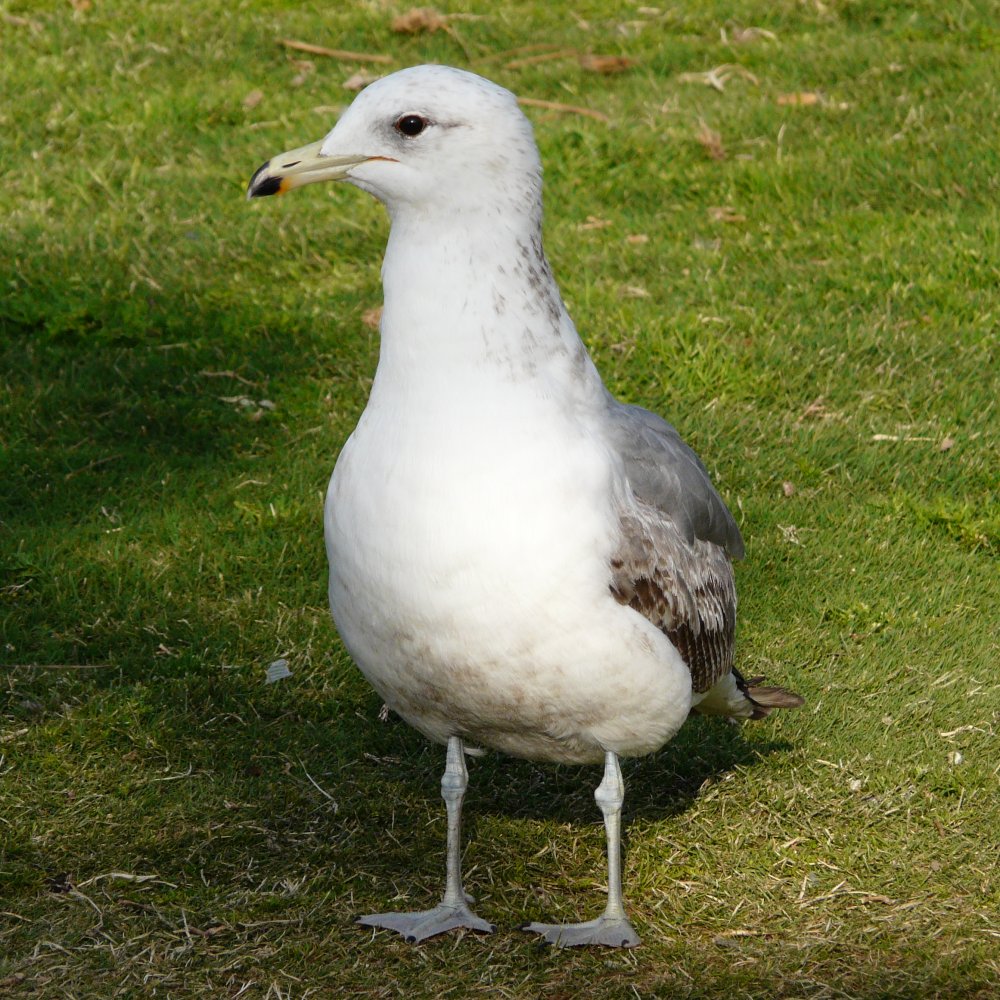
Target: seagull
[518,561]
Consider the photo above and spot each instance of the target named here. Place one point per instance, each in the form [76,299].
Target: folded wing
[677,540]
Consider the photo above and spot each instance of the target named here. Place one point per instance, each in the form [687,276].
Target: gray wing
[677,538]
[664,472]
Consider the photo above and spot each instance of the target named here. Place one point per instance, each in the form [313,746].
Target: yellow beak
[300,166]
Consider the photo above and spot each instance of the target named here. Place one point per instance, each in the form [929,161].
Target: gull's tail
[765,699]
[735,698]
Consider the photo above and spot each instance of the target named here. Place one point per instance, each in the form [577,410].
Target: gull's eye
[410,125]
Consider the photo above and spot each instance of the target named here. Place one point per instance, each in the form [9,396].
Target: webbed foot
[613,932]
[420,925]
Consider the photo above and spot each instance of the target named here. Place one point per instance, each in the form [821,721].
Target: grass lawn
[780,230]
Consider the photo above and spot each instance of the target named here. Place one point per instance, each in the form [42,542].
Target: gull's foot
[613,932]
[417,926]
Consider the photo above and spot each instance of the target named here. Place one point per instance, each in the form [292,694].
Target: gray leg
[453,910]
[612,927]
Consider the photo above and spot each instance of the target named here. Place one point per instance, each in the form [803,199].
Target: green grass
[160,832]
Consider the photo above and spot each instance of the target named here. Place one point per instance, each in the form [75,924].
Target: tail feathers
[765,699]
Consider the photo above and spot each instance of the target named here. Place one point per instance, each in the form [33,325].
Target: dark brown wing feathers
[687,591]
[675,544]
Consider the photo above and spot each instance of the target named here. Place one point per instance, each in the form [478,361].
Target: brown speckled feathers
[673,564]
[687,591]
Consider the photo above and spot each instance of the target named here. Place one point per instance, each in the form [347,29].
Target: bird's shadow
[657,786]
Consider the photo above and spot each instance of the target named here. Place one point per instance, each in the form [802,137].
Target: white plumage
[516,559]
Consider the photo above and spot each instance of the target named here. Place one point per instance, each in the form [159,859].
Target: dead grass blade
[360,80]
[341,54]
[91,465]
[521,50]
[710,141]
[59,666]
[803,99]
[15,20]
[606,65]
[725,213]
[744,36]
[305,67]
[422,20]
[719,76]
[419,20]
[371,318]
[542,57]
[570,109]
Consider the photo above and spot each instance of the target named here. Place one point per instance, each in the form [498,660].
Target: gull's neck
[470,292]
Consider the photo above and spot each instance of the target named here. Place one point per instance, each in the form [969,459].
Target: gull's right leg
[453,910]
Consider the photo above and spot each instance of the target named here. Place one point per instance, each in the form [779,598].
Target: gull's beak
[300,166]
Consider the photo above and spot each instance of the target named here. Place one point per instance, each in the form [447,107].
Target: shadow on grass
[656,786]
[192,769]
[301,779]
[105,419]
[131,423]
[113,386]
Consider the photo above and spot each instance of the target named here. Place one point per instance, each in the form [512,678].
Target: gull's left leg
[612,927]
[453,910]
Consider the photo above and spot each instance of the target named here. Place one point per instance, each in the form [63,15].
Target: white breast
[469,575]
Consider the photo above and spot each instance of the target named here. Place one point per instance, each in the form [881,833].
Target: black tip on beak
[261,185]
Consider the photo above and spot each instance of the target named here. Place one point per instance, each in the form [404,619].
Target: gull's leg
[612,927]
[453,910]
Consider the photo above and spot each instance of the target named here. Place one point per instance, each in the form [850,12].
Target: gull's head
[429,137]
